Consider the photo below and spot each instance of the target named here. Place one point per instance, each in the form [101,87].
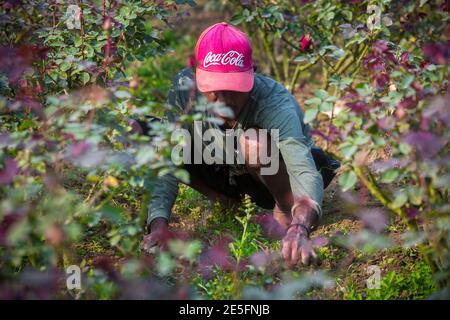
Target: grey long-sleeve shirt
[270,106]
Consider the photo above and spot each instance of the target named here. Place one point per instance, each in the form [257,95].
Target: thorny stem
[270,56]
[361,56]
[298,70]
[366,177]
[81,29]
[297,48]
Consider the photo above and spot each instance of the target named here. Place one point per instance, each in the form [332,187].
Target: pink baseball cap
[224,59]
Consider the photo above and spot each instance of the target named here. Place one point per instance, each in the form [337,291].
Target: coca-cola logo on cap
[232,58]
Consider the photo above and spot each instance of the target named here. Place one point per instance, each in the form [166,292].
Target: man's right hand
[158,228]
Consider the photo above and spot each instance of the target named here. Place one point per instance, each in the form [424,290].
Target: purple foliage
[407,103]
[16,60]
[426,143]
[9,171]
[404,61]
[216,256]
[79,148]
[8,221]
[386,123]
[439,109]
[383,165]
[358,107]
[319,242]
[270,226]
[374,219]
[437,53]
[260,259]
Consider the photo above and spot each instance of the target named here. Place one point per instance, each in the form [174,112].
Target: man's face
[232,99]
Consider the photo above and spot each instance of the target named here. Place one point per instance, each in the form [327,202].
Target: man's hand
[296,247]
[158,228]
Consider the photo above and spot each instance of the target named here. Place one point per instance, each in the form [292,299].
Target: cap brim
[224,81]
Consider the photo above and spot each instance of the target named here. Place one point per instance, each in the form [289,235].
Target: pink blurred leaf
[263,259]
[79,148]
[386,123]
[404,60]
[271,227]
[374,219]
[426,143]
[383,165]
[381,80]
[216,256]
[318,242]
[8,221]
[5,139]
[437,53]
[358,107]
[439,109]
[407,103]
[9,171]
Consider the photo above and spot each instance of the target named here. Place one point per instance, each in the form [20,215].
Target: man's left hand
[296,247]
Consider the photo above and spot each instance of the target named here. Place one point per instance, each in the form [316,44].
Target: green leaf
[19,231]
[404,148]
[400,199]
[390,175]
[301,58]
[165,263]
[132,230]
[85,77]
[74,231]
[362,139]
[330,15]
[122,94]
[322,94]
[136,181]
[310,115]
[379,141]
[364,89]
[182,175]
[314,101]
[237,19]
[144,155]
[348,149]
[326,107]
[112,214]
[347,180]
[279,16]
[347,14]
[89,51]
[26,124]
[406,81]
[125,11]
[65,66]
[115,240]
[415,195]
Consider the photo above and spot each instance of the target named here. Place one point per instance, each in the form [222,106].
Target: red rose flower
[305,42]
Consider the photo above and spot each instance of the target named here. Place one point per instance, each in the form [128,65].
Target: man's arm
[284,114]
[304,177]
[295,146]
[162,199]
[165,190]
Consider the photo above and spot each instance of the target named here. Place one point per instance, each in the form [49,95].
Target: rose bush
[385,92]
[75,175]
